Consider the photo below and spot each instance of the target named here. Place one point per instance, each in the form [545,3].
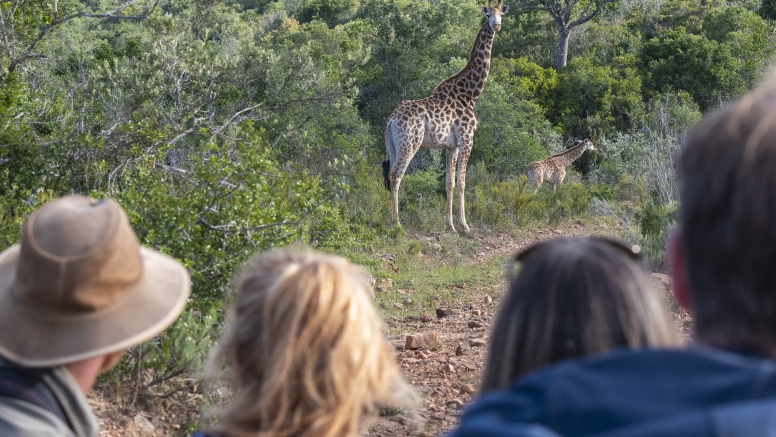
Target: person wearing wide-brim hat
[76,292]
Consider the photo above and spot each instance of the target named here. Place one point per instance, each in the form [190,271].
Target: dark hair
[573,297]
[728,223]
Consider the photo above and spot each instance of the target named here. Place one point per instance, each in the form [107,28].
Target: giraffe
[443,120]
[553,169]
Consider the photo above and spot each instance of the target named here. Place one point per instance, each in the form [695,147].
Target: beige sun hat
[80,285]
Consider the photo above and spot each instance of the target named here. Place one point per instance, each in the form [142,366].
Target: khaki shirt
[22,419]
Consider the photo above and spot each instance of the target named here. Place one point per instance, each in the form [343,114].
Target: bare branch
[45,30]
[585,18]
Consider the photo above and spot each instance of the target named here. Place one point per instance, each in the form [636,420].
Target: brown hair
[573,297]
[728,223]
[307,348]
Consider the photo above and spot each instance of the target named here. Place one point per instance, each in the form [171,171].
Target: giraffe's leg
[539,182]
[406,152]
[559,179]
[395,176]
[452,160]
[463,160]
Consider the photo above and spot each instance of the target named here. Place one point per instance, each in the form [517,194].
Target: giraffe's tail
[390,150]
[386,170]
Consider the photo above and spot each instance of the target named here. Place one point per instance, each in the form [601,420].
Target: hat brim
[32,339]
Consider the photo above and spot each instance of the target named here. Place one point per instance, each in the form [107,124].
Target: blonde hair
[573,298]
[307,348]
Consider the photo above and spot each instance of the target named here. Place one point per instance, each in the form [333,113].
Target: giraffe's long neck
[571,155]
[468,83]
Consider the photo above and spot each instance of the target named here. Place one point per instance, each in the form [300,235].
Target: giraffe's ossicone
[553,169]
[443,120]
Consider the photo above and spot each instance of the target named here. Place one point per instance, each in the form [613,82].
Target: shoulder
[626,387]
[22,419]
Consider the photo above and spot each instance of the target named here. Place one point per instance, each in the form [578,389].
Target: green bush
[604,191]
[628,189]
[503,204]
[655,222]
[422,200]
[213,217]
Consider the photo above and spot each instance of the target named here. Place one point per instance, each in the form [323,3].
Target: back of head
[728,222]
[307,349]
[572,298]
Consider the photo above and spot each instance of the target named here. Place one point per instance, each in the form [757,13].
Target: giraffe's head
[494,14]
[589,144]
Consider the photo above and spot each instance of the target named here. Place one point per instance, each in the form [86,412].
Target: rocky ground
[441,354]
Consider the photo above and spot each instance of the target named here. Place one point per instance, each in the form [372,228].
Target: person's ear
[677,265]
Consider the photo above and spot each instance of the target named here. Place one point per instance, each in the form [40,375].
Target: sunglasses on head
[632,252]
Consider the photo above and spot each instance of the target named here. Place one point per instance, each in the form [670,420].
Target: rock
[448,368]
[455,403]
[401,420]
[385,285]
[398,306]
[580,223]
[557,231]
[425,318]
[425,341]
[436,247]
[488,300]
[476,313]
[442,313]
[476,342]
[143,425]
[473,324]
[388,258]
[462,349]
[422,356]
[467,389]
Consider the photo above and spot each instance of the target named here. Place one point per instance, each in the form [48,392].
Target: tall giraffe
[553,169]
[443,120]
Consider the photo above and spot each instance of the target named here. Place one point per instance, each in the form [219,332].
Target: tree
[564,21]
[704,68]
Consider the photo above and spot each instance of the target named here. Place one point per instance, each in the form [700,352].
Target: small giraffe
[553,169]
[443,120]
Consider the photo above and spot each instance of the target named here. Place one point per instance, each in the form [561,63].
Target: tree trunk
[563,47]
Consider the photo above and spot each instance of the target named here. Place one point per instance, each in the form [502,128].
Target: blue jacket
[655,393]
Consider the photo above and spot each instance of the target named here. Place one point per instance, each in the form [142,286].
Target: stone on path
[425,341]
[462,349]
[476,342]
[143,424]
[441,313]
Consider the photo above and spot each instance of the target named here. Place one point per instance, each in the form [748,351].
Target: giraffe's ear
[504,9]
[485,10]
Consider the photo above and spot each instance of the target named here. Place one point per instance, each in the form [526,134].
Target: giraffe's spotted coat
[553,169]
[443,120]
